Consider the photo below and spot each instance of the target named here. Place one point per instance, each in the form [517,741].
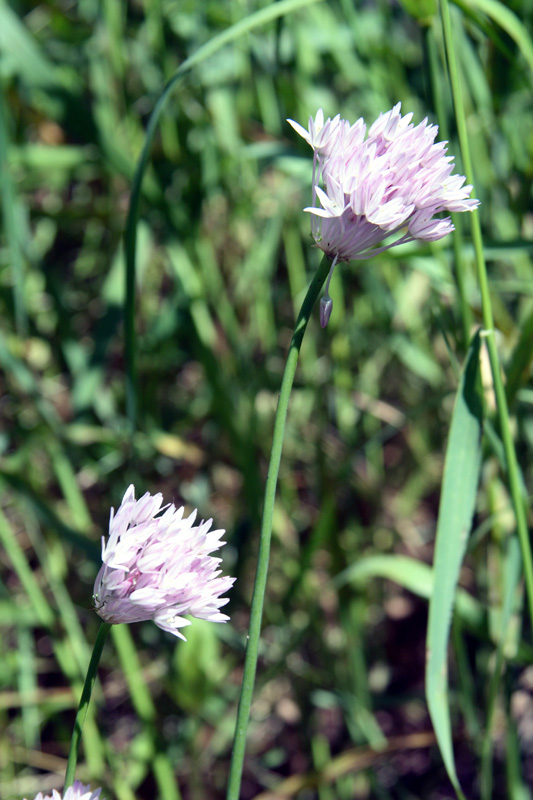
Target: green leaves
[459,488]
[506,19]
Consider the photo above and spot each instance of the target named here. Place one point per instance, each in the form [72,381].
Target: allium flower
[159,567]
[75,792]
[372,188]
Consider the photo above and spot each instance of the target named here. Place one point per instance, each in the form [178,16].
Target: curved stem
[130,248]
[261,17]
[85,699]
[256,611]
[513,474]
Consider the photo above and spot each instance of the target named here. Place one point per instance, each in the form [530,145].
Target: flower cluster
[159,567]
[75,792]
[395,178]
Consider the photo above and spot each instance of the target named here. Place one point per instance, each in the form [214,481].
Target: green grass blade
[9,202]
[520,359]
[516,786]
[511,580]
[459,487]
[508,21]
[418,578]
[261,17]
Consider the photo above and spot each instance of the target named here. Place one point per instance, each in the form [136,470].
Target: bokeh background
[224,260]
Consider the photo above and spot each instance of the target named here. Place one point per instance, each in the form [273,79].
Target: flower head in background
[157,565]
[366,189]
[75,792]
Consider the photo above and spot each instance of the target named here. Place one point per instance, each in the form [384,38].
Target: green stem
[513,474]
[105,627]
[164,773]
[437,81]
[256,611]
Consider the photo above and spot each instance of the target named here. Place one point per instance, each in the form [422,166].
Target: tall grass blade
[9,203]
[261,17]
[508,21]
[459,487]
[513,471]
[511,580]
[413,575]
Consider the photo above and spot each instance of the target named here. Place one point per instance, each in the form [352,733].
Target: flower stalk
[84,703]
[256,612]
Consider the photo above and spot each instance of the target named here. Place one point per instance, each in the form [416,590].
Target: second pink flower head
[157,565]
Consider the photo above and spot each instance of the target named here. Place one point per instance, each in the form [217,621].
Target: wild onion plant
[200,385]
[158,567]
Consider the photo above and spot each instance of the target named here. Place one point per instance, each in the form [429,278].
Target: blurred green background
[224,260]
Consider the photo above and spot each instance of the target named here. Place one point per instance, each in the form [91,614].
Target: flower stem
[513,474]
[105,627]
[256,612]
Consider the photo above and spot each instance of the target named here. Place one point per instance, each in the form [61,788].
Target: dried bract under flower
[366,189]
[157,565]
[75,792]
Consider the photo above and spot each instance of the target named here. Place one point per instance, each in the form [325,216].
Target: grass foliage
[223,263]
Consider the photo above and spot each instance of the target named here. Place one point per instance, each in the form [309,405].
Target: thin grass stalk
[513,474]
[9,211]
[258,596]
[85,699]
[511,579]
[436,80]
[261,17]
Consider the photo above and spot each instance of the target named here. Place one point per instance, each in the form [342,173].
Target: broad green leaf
[458,497]
[414,576]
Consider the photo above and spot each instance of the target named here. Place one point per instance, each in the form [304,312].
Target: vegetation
[224,259]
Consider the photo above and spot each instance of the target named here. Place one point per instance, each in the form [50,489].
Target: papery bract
[156,565]
[75,792]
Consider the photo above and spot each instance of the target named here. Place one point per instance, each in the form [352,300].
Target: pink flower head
[156,565]
[75,792]
[374,187]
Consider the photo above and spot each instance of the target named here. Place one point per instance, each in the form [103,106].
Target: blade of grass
[516,786]
[261,17]
[459,488]
[66,649]
[437,79]
[511,580]
[414,576]
[9,209]
[27,683]
[511,463]
[508,21]
[520,359]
